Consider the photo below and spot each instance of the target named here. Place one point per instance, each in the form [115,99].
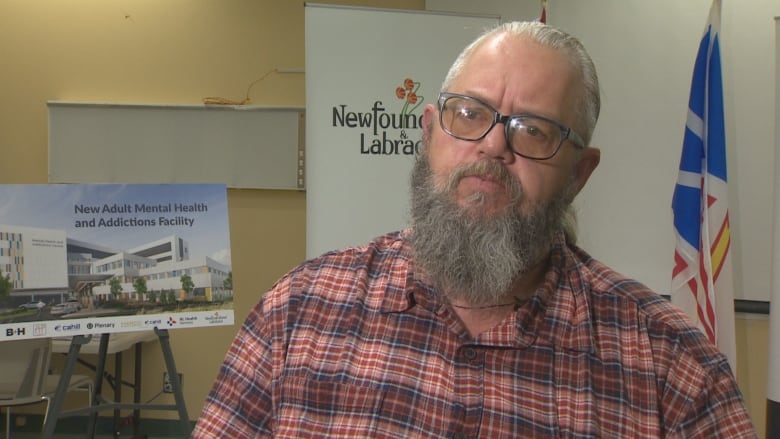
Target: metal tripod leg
[173,375]
[55,407]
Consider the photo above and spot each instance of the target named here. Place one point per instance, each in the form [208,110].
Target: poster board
[249,147]
[103,258]
[362,67]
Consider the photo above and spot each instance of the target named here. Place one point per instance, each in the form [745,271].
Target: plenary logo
[68,327]
[216,318]
[384,131]
[100,325]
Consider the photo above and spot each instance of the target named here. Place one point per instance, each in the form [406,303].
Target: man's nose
[495,145]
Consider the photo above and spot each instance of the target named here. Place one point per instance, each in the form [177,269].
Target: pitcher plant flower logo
[408,93]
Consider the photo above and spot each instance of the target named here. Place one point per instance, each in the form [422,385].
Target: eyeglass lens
[469,119]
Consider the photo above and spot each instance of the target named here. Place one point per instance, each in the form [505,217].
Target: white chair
[25,377]
[25,364]
[82,383]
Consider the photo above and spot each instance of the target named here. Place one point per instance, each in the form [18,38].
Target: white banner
[369,73]
[773,378]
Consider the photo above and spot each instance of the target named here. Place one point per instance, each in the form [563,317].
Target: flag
[702,281]
[543,17]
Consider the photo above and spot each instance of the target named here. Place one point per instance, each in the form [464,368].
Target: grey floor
[62,436]
[31,426]
[76,427]
[98,435]
[75,436]
[73,433]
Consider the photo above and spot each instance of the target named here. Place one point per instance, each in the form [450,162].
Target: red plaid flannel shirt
[353,344]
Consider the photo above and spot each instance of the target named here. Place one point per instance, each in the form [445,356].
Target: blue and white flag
[702,280]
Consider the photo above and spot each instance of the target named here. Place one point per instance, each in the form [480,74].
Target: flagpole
[773,370]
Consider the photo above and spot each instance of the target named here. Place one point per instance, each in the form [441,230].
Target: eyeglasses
[527,135]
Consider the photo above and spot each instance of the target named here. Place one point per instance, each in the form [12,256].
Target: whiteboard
[252,147]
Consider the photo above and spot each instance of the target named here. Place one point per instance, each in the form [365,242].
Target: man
[483,319]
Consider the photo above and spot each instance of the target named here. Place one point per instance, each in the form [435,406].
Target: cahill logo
[69,327]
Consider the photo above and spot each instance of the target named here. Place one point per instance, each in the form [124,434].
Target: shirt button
[470,353]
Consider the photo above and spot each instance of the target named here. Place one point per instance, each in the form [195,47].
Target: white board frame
[253,147]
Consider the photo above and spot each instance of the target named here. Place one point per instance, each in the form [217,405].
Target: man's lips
[482,181]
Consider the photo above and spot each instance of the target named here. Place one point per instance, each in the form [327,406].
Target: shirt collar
[406,280]
[558,314]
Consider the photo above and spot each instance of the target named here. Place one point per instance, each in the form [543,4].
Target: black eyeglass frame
[566,132]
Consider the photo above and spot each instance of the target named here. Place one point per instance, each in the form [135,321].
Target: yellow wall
[752,346]
[179,51]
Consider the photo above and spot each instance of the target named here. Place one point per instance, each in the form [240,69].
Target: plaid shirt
[353,344]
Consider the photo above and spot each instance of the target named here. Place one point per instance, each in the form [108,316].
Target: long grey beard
[468,254]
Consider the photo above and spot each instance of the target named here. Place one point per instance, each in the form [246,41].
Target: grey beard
[470,255]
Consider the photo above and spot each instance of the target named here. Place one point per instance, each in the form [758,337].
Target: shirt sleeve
[240,405]
[701,398]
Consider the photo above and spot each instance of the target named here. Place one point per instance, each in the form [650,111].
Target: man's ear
[429,114]
[588,161]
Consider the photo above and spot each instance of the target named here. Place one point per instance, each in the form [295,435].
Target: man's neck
[481,318]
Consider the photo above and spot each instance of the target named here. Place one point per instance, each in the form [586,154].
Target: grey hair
[569,224]
[590,101]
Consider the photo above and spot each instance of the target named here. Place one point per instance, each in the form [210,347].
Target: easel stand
[99,402]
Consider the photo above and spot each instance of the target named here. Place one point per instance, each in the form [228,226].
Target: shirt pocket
[313,408]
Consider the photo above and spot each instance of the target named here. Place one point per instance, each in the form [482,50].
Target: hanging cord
[247,100]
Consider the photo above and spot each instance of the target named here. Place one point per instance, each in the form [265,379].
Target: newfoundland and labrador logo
[382,131]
